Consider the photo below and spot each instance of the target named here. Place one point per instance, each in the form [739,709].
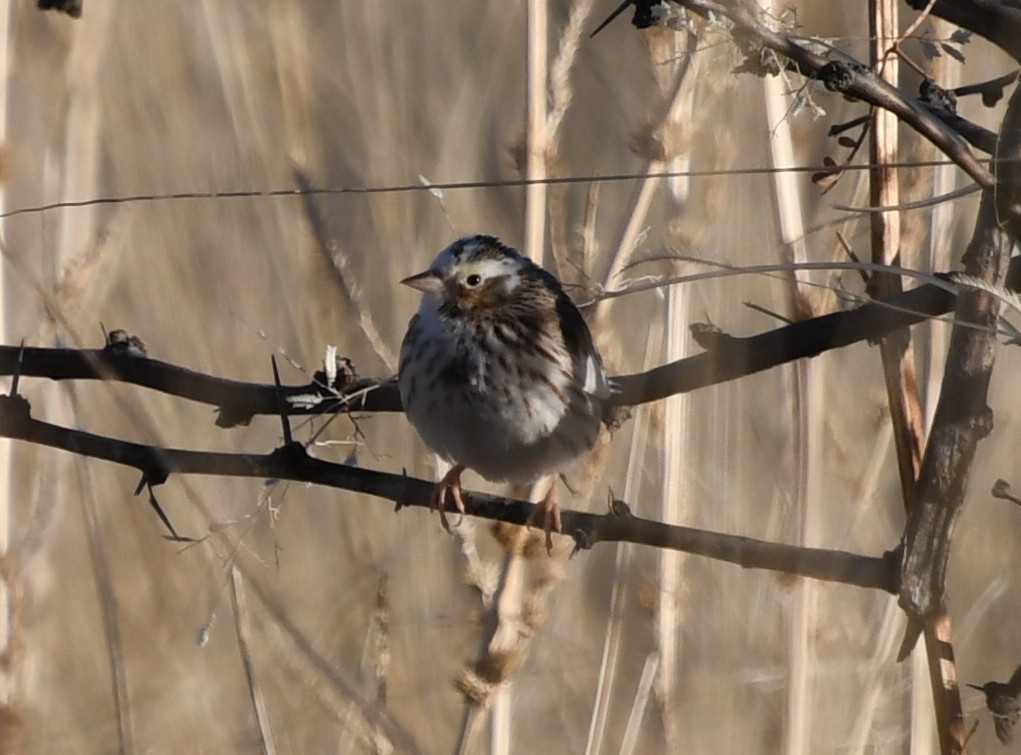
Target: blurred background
[314,620]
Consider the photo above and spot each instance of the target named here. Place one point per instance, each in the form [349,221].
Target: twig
[895,47]
[998,22]
[242,622]
[991,90]
[916,205]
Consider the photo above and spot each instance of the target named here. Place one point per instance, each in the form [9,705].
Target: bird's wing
[578,340]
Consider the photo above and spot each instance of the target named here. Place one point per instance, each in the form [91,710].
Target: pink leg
[551,515]
[451,482]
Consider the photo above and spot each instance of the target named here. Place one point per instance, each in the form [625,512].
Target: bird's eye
[473,280]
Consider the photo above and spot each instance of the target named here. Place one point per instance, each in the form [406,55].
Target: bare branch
[236,401]
[851,78]
[730,358]
[962,416]
[291,462]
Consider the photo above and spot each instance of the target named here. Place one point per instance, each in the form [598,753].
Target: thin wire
[951,283]
[729,271]
[448,186]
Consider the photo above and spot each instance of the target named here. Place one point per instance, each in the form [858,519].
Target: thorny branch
[849,77]
[854,79]
[726,358]
[292,462]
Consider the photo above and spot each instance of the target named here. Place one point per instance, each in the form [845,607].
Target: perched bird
[498,372]
[1004,701]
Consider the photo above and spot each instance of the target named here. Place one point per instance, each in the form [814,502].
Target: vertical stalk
[676,412]
[884,190]
[77,230]
[511,594]
[613,640]
[939,255]
[535,165]
[6,448]
[898,361]
[808,410]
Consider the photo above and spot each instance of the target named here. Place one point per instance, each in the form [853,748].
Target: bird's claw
[451,483]
[551,517]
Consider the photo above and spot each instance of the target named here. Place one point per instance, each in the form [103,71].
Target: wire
[448,186]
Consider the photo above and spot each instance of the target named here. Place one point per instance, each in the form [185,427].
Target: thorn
[1001,490]
[609,19]
[144,482]
[16,378]
[768,313]
[911,634]
[839,128]
[582,542]
[620,508]
[615,506]
[398,505]
[280,402]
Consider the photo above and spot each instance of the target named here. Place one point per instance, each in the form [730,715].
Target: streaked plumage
[498,372]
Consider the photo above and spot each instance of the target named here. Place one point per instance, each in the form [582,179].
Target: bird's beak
[975,686]
[428,282]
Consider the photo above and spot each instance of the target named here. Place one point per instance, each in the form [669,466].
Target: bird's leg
[550,515]
[451,482]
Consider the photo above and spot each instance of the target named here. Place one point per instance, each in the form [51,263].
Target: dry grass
[339,625]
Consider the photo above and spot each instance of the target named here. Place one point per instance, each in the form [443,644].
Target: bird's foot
[451,483]
[551,516]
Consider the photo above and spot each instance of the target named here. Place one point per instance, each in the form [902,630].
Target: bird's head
[472,275]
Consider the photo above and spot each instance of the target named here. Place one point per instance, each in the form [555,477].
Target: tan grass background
[349,611]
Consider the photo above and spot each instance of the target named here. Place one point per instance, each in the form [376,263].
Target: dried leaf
[961,37]
[846,141]
[929,50]
[826,179]
[953,52]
